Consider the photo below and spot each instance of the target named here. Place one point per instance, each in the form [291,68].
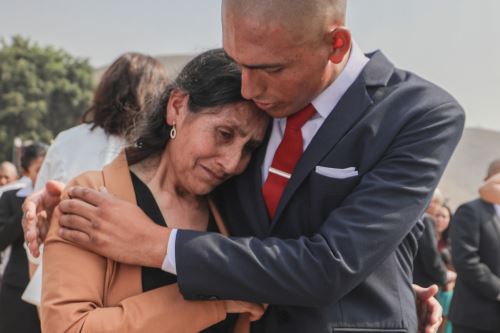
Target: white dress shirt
[324,105]
[77,150]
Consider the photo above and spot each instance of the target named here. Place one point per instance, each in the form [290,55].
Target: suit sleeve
[465,238]
[10,221]
[431,258]
[355,238]
[74,286]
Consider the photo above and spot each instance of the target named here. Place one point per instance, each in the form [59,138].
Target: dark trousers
[463,329]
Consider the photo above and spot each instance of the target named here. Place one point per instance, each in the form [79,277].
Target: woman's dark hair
[31,153]
[124,89]
[210,80]
[445,235]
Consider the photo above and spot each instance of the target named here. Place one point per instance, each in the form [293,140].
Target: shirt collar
[497,208]
[328,99]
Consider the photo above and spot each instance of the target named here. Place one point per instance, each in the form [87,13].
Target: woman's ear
[176,107]
[340,41]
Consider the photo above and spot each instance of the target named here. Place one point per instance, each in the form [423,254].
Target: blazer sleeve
[465,238]
[355,238]
[72,297]
[431,258]
[10,221]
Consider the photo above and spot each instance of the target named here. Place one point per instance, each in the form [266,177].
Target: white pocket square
[336,173]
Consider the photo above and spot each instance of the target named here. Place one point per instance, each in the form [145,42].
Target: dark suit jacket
[475,245]
[339,252]
[429,267]
[15,314]
[11,233]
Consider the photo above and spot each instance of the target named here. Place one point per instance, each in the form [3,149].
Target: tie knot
[297,120]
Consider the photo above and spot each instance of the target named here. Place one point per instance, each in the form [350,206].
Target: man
[328,236]
[429,268]
[8,173]
[475,245]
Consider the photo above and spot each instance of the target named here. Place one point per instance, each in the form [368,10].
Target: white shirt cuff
[168,264]
[498,297]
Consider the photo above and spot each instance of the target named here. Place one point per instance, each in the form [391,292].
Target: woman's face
[34,167]
[442,219]
[214,144]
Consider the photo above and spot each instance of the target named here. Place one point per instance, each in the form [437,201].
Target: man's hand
[113,228]
[429,311]
[38,209]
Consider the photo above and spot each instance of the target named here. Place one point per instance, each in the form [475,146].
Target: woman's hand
[37,212]
[254,310]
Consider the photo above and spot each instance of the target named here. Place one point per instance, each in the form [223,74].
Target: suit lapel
[249,187]
[496,219]
[345,115]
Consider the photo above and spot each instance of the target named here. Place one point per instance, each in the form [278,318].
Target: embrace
[282,178]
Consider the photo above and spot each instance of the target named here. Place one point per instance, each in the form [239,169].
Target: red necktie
[286,157]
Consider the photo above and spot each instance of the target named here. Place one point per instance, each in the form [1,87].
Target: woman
[16,315]
[200,133]
[442,220]
[118,103]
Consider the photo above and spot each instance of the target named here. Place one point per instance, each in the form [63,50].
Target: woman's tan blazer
[84,292]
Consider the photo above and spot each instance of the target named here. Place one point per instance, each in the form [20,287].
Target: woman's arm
[73,290]
[74,287]
[490,190]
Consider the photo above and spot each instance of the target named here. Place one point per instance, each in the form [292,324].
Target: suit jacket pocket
[332,186]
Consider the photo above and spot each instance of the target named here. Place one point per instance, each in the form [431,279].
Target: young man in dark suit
[326,214]
[475,244]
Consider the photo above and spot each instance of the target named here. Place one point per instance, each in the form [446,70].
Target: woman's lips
[219,177]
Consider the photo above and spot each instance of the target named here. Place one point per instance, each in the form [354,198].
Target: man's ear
[340,41]
[176,107]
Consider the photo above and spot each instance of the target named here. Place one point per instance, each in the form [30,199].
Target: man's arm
[355,239]
[465,238]
[10,229]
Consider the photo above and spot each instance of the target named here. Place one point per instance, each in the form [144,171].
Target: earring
[173,132]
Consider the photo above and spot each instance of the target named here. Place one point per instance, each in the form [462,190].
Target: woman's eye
[225,134]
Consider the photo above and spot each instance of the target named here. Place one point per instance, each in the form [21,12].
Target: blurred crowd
[459,251]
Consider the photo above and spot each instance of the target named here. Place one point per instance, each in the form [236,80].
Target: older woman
[200,133]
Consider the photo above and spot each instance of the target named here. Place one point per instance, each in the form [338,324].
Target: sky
[453,43]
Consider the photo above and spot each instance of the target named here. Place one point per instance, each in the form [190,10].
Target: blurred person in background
[132,81]
[8,173]
[442,222]
[429,268]
[490,190]
[16,315]
[475,246]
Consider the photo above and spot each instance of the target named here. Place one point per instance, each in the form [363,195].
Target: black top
[154,277]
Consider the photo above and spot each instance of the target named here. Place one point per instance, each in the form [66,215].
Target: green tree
[43,91]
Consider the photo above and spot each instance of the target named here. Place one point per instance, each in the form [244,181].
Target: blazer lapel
[348,111]
[117,179]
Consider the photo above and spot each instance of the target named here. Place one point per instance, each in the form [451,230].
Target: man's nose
[251,85]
